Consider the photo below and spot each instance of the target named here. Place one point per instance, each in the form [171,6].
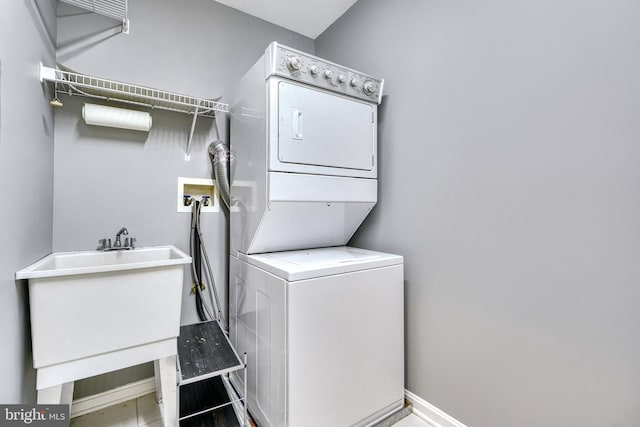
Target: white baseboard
[423,409]
[434,416]
[112,397]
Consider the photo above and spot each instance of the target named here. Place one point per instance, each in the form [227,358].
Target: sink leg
[61,393]
[166,389]
[156,377]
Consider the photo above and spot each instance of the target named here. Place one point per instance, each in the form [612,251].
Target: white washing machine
[322,324]
[323,330]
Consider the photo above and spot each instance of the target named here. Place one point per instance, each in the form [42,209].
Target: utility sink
[93,311]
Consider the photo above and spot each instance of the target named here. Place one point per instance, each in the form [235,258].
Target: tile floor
[412,421]
[144,411]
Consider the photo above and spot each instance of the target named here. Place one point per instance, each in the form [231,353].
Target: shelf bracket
[46,73]
[187,155]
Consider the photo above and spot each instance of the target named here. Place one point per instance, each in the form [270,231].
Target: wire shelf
[116,9]
[72,83]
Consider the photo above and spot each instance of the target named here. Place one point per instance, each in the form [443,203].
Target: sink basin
[85,262]
[105,308]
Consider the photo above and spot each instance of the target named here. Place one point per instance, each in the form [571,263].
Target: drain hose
[220,156]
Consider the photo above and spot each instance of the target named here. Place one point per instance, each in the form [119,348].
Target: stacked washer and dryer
[322,323]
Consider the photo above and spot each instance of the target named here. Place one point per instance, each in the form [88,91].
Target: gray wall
[26,171]
[509,172]
[107,178]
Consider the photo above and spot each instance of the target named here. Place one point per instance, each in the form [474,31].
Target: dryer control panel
[303,67]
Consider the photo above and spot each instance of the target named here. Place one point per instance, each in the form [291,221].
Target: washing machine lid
[320,262]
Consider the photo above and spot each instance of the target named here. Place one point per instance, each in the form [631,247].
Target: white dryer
[323,329]
[304,152]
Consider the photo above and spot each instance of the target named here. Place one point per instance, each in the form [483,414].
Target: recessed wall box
[197,188]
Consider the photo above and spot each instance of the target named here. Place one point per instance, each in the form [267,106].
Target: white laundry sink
[91,305]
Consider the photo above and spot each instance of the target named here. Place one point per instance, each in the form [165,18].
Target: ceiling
[301,16]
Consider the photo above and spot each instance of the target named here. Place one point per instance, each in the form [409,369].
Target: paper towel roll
[100,115]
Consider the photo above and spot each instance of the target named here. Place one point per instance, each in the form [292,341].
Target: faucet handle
[128,242]
[104,244]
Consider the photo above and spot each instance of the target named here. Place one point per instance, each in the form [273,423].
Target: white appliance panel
[273,129]
[306,211]
[289,187]
[249,149]
[345,348]
[320,262]
[323,129]
[297,225]
[321,351]
[257,323]
[302,67]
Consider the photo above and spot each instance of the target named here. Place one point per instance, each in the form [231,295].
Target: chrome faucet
[105,244]
[118,243]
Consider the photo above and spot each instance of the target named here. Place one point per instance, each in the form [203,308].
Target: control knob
[354,82]
[328,74]
[369,87]
[314,70]
[342,78]
[294,63]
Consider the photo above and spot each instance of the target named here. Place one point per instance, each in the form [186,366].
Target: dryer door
[322,129]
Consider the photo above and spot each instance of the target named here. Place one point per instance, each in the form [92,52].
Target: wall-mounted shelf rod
[72,83]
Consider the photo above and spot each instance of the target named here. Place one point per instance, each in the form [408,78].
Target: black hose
[197,261]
